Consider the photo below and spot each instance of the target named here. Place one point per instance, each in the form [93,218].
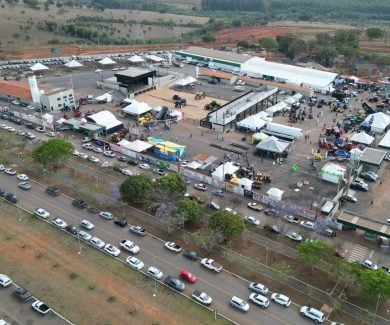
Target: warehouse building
[58,99]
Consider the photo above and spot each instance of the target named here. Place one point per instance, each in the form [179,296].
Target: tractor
[200,95]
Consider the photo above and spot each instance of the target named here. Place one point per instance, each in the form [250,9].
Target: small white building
[57,99]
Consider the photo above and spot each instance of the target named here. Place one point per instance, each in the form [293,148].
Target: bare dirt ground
[87,289]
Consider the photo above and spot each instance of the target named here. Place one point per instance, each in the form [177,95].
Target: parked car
[252,220]
[155,273]
[84,235]
[58,222]
[255,206]
[112,250]
[258,288]
[97,149]
[173,247]
[129,246]
[93,159]
[134,263]
[72,229]
[281,299]
[5,280]
[239,304]
[308,224]
[327,232]
[92,209]
[202,297]
[24,186]
[270,212]
[191,255]
[79,203]
[10,171]
[138,230]
[97,242]
[312,313]
[218,193]
[121,222]
[22,177]
[54,191]
[40,307]
[369,265]
[361,186]
[293,236]
[144,166]
[106,215]
[213,205]
[109,154]
[41,213]
[22,294]
[10,197]
[272,228]
[159,171]
[132,162]
[174,283]
[188,276]
[200,187]
[259,300]
[369,176]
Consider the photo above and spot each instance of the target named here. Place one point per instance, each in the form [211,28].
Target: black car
[22,294]
[92,209]
[191,255]
[174,283]
[72,229]
[272,228]
[123,159]
[10,197]
[79,203]
[54,191]
[121,222]
[270,212]
[29,126]
[132,163]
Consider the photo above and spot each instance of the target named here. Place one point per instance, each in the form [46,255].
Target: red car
[188,276]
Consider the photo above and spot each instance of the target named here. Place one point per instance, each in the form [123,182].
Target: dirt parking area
[90,288]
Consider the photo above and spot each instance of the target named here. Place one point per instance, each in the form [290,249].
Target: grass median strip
[90,288]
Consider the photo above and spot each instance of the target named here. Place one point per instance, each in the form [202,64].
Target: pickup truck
[172,247]
[211,264]
[291,219]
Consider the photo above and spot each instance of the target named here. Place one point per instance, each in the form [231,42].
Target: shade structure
[38,67]
[363,138]
[136,59]
[378,122]
[137,108]
[185,81]
[273,144]
[107,61]
[154,58]
[275,193]
[73,64]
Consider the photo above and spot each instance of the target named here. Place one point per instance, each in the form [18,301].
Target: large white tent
[362,137]
[73,64]
[107,61]
[385,142]
[316,79]
[137,145]
[136,59]
[38,67]
[227,168]
[253,123]
[273,144]
[275,193]
[378,122]
[276,108]
[154,58]
[137,108]
[185,81]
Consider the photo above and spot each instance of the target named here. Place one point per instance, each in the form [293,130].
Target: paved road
[17,313]
[220,286]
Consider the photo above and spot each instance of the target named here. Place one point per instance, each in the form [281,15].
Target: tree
[268,43]
[136,188]
[243,43]
[208,37]
[374,33]
[313,253]
[236,23]
[374,283]
[296,47]
[189,209]
[324,39]
[229,224]
[326,56]
[208,239]
[173,184]
[52,152]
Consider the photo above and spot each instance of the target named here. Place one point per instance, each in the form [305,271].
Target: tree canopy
[173,184]
[268,43]
[312,253]
[136,188]
[52,152]
[229,224]
[374,283]
[374,33]
[189,209]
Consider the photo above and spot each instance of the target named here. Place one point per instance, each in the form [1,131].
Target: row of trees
[232,5]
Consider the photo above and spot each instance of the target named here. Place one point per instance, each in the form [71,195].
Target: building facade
[58,99]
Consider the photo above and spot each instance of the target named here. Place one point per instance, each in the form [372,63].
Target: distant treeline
[240,5]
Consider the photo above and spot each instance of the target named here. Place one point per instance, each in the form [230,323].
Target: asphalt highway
[221,287]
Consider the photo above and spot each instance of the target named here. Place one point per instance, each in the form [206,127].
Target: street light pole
[155,280]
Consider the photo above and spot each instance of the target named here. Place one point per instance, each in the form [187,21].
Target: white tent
[38,67]
[362,137]
[289,100]
[252,123]
[107,97]
[137,145]
[246,183]
[155,58]
[226,168]
[137,108]
[273,144]
[73,64]
[107,61]
[355,154]
[275,193]
[136,59]
[378,122]
[276,108]
[385,142]
[185,81]
[297,96]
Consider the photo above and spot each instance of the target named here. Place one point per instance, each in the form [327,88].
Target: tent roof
[252,122]
[226,168]
[273,191]
[107,61]
[273,144]
[136,108]
[73,64]
[276,108]
[333,169]
[362,137]
[154,58]
[185,81]
[385,142]
[137,145]
[136,59]
[379,120]
[104,118]
[38,66]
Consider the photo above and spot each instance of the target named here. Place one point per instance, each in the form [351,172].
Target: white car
[200,187]
[312,313]
[154,272]
[369,265]
[134,263]
[51,134]
[93,159]
[41,213]
[22,177]
[76,153]
[5,280]
[106,215]
[30,135]
[255,206]
[2,168]
[97,242]
[97,150]
[10,171]
[84,235]
[109,154]
[294,236]
[172,246]
[239,303]
[130,246]
[281,299]
[86,139]
[308,224]
[259,300]
[252,220]
[83,155]
[202,297]
[58,222]
[112,250]
[10,129]
[258,288]
[40,307]
[127,172]
[87,224]
[230,210]
[144,166]
[88,146]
